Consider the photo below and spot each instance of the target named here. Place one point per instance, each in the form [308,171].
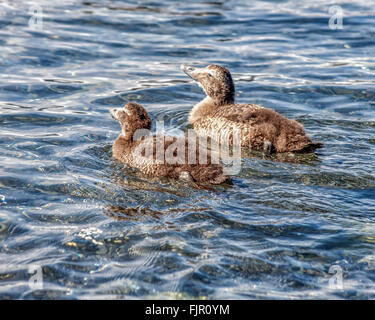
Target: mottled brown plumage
[151,153]
[261,128]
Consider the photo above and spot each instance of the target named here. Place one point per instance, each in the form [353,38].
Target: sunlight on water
[93,228]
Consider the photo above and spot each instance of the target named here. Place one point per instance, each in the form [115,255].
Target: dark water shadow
[138,213]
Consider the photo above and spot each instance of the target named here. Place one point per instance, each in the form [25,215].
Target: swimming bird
[158,155]
[261,128]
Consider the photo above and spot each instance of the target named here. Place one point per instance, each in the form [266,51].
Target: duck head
[132,117]
[215,80]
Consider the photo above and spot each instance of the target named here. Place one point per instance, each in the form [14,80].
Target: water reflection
[101,230]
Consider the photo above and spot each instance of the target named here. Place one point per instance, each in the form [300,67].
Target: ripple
[22,91]
[98,229]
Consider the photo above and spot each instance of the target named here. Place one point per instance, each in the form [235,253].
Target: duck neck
[205,107]
[202,109]
[121,145]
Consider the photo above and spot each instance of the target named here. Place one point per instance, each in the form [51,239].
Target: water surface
[97,229]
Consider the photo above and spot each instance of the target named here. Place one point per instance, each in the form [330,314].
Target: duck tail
[219,179]
[212,174]
[311,147]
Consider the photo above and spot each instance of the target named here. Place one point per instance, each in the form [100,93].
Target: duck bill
[114,113]
[192,72]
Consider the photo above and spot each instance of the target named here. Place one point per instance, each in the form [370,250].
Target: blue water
[96,229]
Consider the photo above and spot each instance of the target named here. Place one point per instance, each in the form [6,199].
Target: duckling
[151,153]
[261,128]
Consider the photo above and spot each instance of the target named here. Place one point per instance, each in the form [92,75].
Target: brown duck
[132,144]
[261,128]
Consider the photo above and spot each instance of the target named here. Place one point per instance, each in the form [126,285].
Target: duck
[158,155]
[261,128]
